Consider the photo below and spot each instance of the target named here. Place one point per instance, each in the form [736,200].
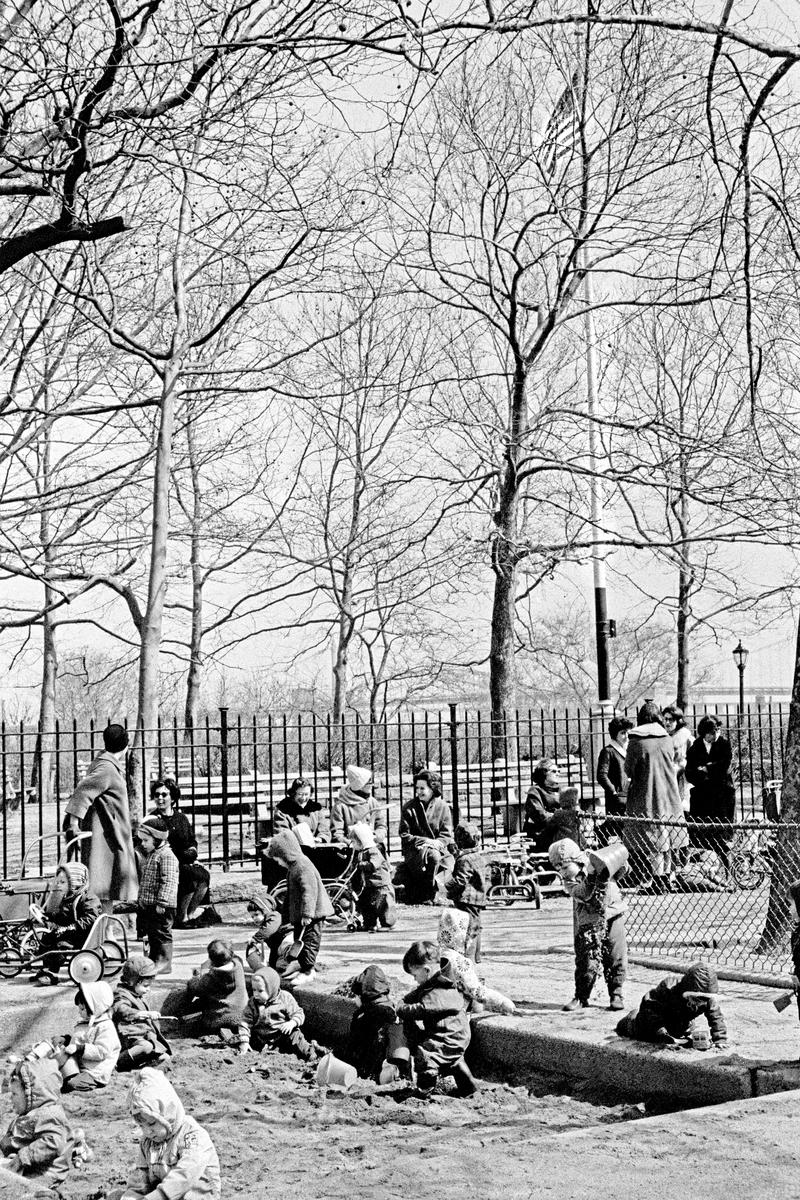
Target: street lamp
[740,658]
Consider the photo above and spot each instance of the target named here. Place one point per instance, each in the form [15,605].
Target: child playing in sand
[378,1047]
[214,999]
[467,885]
[667,1011]
[372,880]
[598,911]
[306,906]
[272,1019]
[38,1142]
[158,892]
[70,920]
[176,1158]
[435,1020]
[138,1028]
[88,1055]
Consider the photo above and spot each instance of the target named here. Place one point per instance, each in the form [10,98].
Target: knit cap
[358,778]
[156,826]
[467,835]
[564,851]
[77,874]
[137,966]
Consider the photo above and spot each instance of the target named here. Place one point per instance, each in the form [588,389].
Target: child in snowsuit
[176,1158]
[158,892]
[138,1028]
[89,1054]
[70,921]
[667,1011]
[372,881]
[435,1020]
[467,885]
[378,1047]
[306,906]
[273,1018]
[39,1141]
[216,996]
[598,911]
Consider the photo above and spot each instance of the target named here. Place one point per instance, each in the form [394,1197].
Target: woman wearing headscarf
[653,797]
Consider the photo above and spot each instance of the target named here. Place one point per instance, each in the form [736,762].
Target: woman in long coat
[99,804]
[653,794]
[713,795]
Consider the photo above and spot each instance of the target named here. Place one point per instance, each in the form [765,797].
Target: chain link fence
[708,890]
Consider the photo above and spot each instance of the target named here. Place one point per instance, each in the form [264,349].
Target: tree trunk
[44,757]
[786,854]
[195,673]
[686,577]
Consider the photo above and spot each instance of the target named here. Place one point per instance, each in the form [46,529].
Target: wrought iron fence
[233,770]
[711,890]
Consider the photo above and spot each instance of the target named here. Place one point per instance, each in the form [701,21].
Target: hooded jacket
[666,1011]
[185,1162]
[441,1010]
[306,898]
[131,1013]
[75,914]
[221,993]
[98,1043]
[40,1137]
[650,766]
[264,1020]
[467,885]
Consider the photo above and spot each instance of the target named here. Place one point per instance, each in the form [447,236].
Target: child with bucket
[306,907]
[87,1056]
[378,1044]
[435,1020]
[598,912]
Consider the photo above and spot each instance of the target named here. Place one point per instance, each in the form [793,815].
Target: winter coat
[159,882]
[431,821]
[594,900]
[186,1163]
[181,840]
[350,808]
[306,898]
[289,813]
[98,1043]
[539,804]
[263,1021]
[100,802]
[665,1011]
[713,794]
[612,778]
[467,884]
[40,1137]
[373,873]
[134,1024]
[649,763]
[440,1008]
[221,993]
[681,741]
[75,915]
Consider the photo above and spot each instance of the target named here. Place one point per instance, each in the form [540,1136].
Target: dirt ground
[277,1134]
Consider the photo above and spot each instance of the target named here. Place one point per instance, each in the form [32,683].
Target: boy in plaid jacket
[467,884]
[158,892]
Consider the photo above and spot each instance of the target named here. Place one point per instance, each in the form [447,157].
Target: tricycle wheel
[113,957]
[86,967]
[11,962]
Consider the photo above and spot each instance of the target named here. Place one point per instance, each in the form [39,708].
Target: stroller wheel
[11,962]
[86,967]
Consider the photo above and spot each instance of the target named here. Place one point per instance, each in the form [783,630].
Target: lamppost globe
[740,656]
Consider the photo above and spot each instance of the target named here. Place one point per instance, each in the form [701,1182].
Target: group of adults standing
[680,790]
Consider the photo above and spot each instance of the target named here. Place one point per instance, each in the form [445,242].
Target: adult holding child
[653,797]
[193,878]
[99,805]
[426,840]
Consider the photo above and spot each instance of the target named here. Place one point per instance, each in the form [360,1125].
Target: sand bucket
[333,1073]
[69,1067]
[609,860]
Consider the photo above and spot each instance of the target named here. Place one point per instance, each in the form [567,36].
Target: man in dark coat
[99,805]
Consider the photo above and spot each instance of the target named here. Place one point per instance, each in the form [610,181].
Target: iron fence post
[454,762]
[223,752]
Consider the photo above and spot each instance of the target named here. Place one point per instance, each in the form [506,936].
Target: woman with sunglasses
[193,878]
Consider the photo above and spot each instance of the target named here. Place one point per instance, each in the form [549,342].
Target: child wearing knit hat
[158,892]
[69,922]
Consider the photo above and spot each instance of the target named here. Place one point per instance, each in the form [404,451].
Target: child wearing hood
[305,908]
[70,920]
[176,1158]
[273,1018]
[39,1141]
[466,886]
[139,1031]
[158,892]
[435,1019]
[88,1056]
[378,1046]
[372,880]
[216,993]
[667,1011]
[355,805]
[598,912]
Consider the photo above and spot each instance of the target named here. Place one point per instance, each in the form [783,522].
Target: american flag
[561,132]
